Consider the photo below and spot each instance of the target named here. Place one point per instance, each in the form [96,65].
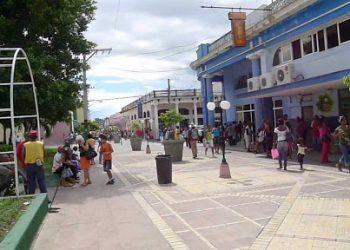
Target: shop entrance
[308,114]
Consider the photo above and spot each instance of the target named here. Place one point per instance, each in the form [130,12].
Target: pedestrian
[84,162]
[185,136]
[216,138]
[260,141]
[301,152]
[342,133]
[209,140]
[33,154]
[281,133]
[92,143]
[268,138]
[107,150]
[325,139]
[193,136]
[99,148]
[177,133]
[315,133]
[247,135]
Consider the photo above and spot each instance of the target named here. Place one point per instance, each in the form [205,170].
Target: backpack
[194,133]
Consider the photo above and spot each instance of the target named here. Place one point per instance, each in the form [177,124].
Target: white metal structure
[253,84]
[284,74]
[267,80]
[9,58]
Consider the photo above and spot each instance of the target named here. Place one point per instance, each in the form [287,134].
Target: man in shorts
[107,150]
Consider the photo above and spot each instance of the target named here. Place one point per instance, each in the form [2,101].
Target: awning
[306,86]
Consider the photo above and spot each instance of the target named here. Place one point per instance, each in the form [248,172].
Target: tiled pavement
[259,208]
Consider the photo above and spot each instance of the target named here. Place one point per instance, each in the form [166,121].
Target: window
[296,48]
[315,42]
[148,114]
[344,29]
[320,38]
[199,111]
[307,45]
[183,111]
[277,57]
[332,36]
[286,54]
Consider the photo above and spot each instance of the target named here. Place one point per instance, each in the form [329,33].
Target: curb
[23,232]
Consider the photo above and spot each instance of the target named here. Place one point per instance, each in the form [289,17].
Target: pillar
[177,110]
[195,112]
[155,122]
[210,98]
[204,102]
[256,67]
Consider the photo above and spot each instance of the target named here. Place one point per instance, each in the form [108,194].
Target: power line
[234,8]
[151,71]
[115,98]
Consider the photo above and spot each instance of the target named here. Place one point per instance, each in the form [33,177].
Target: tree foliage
[346,81]
[170,118]
[52,35]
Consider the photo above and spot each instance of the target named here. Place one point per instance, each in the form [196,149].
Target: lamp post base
[224,170]
[148,149]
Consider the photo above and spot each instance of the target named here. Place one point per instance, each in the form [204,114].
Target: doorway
[308,114]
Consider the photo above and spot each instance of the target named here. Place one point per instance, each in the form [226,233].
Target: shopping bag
[274,153]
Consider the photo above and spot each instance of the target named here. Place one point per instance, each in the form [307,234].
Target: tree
[170,118]
[52,34]
[346,81]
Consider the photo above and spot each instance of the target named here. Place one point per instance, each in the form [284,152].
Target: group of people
[69,162]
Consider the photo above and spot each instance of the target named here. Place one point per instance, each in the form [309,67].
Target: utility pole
[86,58]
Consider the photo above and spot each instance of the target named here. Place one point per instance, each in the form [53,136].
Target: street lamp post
[224,168]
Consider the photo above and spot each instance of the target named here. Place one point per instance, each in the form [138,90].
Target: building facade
[294,61]
[149,107]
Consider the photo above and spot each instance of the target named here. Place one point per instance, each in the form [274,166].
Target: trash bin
[164,169]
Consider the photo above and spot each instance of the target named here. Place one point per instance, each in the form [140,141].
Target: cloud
[151,41]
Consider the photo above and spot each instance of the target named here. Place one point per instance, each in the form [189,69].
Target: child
[209,143]
[301,152]
[107,150]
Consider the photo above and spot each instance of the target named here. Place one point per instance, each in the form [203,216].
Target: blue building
[294,62]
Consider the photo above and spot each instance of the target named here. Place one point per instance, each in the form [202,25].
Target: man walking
[193,136]
[33,155]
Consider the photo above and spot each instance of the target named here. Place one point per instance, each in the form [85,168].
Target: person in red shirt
[20,156]
[107,150]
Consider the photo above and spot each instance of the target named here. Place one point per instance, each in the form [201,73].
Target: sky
[151,41]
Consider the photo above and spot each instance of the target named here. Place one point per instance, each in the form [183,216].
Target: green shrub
[5,147]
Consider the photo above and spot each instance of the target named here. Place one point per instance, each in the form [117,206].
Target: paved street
[259,208]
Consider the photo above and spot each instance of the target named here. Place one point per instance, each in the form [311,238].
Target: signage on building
[139,109]
[238,28]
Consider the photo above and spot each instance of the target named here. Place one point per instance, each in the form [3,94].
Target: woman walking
[325,139]
[84,162]
[281,133]
[342,133]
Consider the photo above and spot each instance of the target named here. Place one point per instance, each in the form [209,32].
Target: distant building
[293,63]
[149,107]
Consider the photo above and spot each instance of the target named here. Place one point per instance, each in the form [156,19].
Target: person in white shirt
[281,133]
[301,152]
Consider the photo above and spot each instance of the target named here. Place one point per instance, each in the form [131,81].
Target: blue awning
[306,86]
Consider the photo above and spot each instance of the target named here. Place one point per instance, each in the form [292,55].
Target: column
[209,88]
[155,122]
[229,92]
[256,67]
[177,110]
[195,112]
[204,102]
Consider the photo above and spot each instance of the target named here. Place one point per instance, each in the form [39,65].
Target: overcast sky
[151,41]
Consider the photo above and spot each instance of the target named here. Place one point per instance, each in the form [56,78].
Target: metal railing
[275,7]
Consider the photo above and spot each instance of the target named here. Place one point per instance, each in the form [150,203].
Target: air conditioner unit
[284,74]
[267,80]
[253,84]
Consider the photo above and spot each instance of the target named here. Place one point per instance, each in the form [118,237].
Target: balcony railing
[225,39]
[275,7]
[279,4]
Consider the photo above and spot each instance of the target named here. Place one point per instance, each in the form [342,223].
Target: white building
[148,108]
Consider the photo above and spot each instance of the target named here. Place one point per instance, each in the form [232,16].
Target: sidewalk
[259,208]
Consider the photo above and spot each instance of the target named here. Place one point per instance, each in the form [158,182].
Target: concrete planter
[136,144]
[23,232]
[174,148]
